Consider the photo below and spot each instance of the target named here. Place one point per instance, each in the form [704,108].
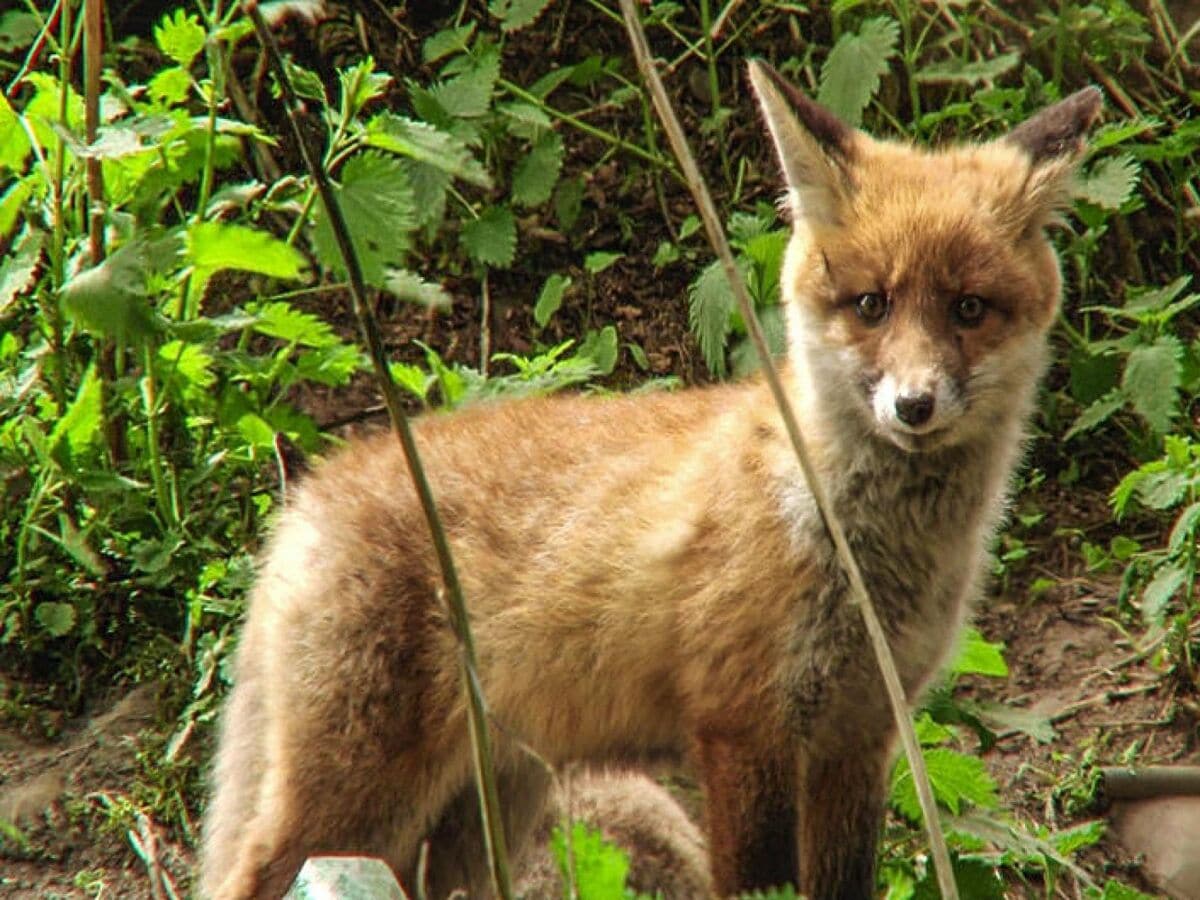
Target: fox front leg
[750,809]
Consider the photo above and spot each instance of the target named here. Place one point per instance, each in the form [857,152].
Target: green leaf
[14,143]
[956,778]
[600,867]
[1162,587]
[170,86]
[76,544]
[1115,891]
[710,301]
[409,286]
[109,299]
[517,14]
[596,262]
[469,95]
[550,298]
[968,72]
[1002,717]
[1185,527]
[19,268]
[428,145]
[491,240]
[1110,182]
[851,73]
[377,202]
[79,426]
[17,30]
[1092,375]
[188,362]
[600,347]
[1096,413]
[11,203]
[360,85]
[333,365]
[280,320]
[978,656]
[57,618]
[1144,299]
[1153,374]
[536,174]
[180,36]
[447,41]
[212,246]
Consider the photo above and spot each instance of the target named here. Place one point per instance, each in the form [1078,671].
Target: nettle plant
[142,399]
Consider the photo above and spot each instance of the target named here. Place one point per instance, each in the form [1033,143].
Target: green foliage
[852,71]
[712,313]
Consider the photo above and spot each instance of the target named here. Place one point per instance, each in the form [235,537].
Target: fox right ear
[815,147]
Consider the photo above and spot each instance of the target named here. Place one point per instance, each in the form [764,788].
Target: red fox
[647,575]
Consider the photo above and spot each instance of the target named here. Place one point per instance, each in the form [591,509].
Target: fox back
[647,575]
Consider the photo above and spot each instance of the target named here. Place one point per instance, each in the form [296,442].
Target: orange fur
[647,574]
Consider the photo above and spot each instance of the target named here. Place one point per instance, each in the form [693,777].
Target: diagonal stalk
[489,800]
[833,527]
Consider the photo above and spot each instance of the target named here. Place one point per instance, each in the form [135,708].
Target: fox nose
[915,409]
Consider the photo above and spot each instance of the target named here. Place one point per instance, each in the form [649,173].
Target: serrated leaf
[19,269]
[710,301]
[517,14]
[333,365]
[409,286]
[851,73]
[491,240]
[968,72]
[429,186]
[447,41]
[212,246]
[1162,587]
[109,299]
[1153,373]
[550,298]
[180,36]
[377,203]
[955,777]
[1163,489]
[1185,527]
[1143,299]
[1110,182]
[428,145]
[281,320]
[1096,413]
[79,426]
[979,656]
[469,94]
[536,174]
[57,618]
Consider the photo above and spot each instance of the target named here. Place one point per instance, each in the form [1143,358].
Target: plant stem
[833,527]
[522,94]
[157,473]
[489,799]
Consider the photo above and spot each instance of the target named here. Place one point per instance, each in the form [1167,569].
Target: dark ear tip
[1059,129]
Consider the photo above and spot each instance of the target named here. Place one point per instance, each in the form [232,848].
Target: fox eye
[969,310]
[871,308]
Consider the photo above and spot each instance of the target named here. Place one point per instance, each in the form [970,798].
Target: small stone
[1165,832]
[345,878]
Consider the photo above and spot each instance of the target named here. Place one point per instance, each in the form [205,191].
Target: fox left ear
[1054,140]
[815,147]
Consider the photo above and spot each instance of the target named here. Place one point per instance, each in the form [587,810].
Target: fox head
[919,284]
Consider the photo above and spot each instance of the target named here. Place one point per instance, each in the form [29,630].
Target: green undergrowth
[159,341]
